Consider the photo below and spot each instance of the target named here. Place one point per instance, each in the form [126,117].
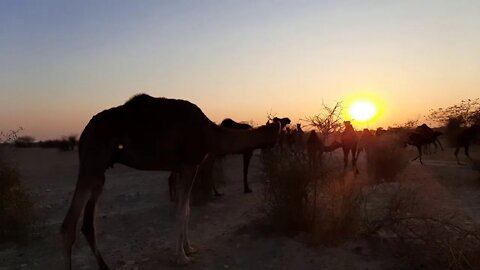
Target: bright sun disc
[362,111]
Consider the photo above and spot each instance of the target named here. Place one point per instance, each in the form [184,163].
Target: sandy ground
[135,221]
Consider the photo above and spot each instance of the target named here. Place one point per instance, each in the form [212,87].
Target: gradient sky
[63,61]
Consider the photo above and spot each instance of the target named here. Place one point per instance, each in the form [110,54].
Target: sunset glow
[63,61]
[362,111]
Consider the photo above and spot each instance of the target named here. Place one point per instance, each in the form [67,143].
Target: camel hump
[140,99]
[229,123]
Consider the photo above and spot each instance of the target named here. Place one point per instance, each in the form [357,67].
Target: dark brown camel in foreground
[150,133]
[465,138]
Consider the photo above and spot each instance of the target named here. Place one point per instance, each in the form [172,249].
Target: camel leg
[187,177]
[246,163]
[172,189]
[345,157]
[419,148]
[69,225]
[215,191]
[420,155]
[354,159]
[467,151]
[439,143]
[88,227]
[456,155]
[208,160]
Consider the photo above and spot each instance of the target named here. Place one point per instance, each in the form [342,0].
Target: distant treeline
[66,143]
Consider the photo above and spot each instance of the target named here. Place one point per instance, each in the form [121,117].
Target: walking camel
[465,138]
[150,133]
[430,135]
[421,136]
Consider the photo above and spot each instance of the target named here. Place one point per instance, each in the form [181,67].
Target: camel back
[150,125]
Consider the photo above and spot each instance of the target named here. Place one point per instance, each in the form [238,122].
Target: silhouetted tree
[466,113]
[328,121]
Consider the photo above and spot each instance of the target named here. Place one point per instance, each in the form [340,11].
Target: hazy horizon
[63,62]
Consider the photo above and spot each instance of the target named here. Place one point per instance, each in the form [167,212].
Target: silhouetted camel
[349,142]
[150,133]
[430,135]
[465,138]
[364,142]
[285,131]
[283,121]
[422,136]
[418,140]
[300,138]
[247,155]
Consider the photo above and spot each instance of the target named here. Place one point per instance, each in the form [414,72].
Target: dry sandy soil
[136,220]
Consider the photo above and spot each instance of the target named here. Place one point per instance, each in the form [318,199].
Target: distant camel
[364,142]
[349,142]
[282,121]
[150,133]
[465,138]
[284,130]
[430,134]
[300,138]
[247,155]
[420,137]
[418,140]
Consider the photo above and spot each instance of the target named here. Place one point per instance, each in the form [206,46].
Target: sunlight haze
[61,62]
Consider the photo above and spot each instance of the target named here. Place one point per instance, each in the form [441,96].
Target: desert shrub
[318,199]
[287,193]
[16,207]
[420,230]
[337,210]
[453,127]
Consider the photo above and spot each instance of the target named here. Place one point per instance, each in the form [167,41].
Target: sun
[362,110]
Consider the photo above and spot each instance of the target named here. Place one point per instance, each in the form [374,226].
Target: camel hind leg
[456,155]
[246,163]
[186,180]
[88,227]
[83,192]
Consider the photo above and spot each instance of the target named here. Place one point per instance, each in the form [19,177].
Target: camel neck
[230,141]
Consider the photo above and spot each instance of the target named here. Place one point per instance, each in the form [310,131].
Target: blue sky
[63,61]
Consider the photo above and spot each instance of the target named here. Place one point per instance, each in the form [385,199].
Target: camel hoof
[190,250]
[183,260]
